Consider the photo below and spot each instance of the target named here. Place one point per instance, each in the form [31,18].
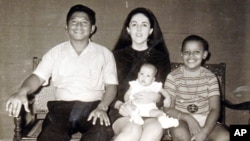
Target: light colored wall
[29,28]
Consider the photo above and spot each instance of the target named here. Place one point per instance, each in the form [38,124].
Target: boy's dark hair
[195,38]
[81,8]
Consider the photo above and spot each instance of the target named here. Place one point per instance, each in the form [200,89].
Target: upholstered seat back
[47,93]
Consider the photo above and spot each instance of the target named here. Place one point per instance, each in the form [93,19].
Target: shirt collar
[85,51]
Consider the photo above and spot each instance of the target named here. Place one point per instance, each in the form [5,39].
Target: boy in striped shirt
[195,95]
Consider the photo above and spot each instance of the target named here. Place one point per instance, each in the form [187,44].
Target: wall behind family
[30,28]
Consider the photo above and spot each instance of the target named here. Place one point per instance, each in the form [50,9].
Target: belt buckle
[192,108]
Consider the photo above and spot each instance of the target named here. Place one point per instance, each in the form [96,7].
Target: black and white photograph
[124,70]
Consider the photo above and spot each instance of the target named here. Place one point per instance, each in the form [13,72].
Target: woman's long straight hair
[155,40]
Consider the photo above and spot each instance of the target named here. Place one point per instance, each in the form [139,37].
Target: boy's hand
[15,102]
[167,102]
[194,126]
[201,136]
[101,114]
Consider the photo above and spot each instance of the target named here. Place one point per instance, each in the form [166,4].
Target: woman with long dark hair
[141,41]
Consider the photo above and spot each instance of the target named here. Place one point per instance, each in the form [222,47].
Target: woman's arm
[127,94]
[118,103]
[144,97]
[126,108]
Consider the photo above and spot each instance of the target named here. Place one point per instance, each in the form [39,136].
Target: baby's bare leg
[165,121]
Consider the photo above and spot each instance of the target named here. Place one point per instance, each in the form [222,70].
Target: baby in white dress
[145,82]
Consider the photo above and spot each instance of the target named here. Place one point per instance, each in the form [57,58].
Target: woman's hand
[101,114]
[145,97]
[127,109]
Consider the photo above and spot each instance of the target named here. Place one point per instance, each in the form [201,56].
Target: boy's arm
[214,106]
[167,98]
[214,112]
[170,87]
[193,125]
[213,115]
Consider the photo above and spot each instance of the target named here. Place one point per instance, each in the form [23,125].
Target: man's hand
[101,114]
[19,98]
[15,102]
